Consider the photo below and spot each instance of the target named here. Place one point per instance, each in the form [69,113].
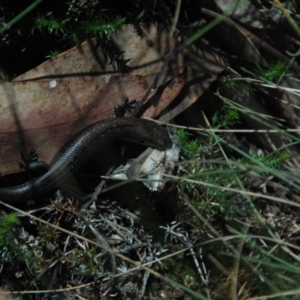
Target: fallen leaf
[163,96]
[47,105]
[243,46]
[34,114]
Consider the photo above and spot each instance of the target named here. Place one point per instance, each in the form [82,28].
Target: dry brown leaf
[242,44]
[45,112]
[33,114]
[140,55]
[163,96]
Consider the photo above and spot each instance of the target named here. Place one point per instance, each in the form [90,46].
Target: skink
[83,147]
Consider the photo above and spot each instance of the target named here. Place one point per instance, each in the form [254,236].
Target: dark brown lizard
[83,147]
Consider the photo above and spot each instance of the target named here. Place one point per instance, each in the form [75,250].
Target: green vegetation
[78,22]
[273,73]
[53,53]
[225,118]
[7,225]
[274,160]
[51,24]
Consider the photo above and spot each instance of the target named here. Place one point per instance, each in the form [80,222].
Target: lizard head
[148,133]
